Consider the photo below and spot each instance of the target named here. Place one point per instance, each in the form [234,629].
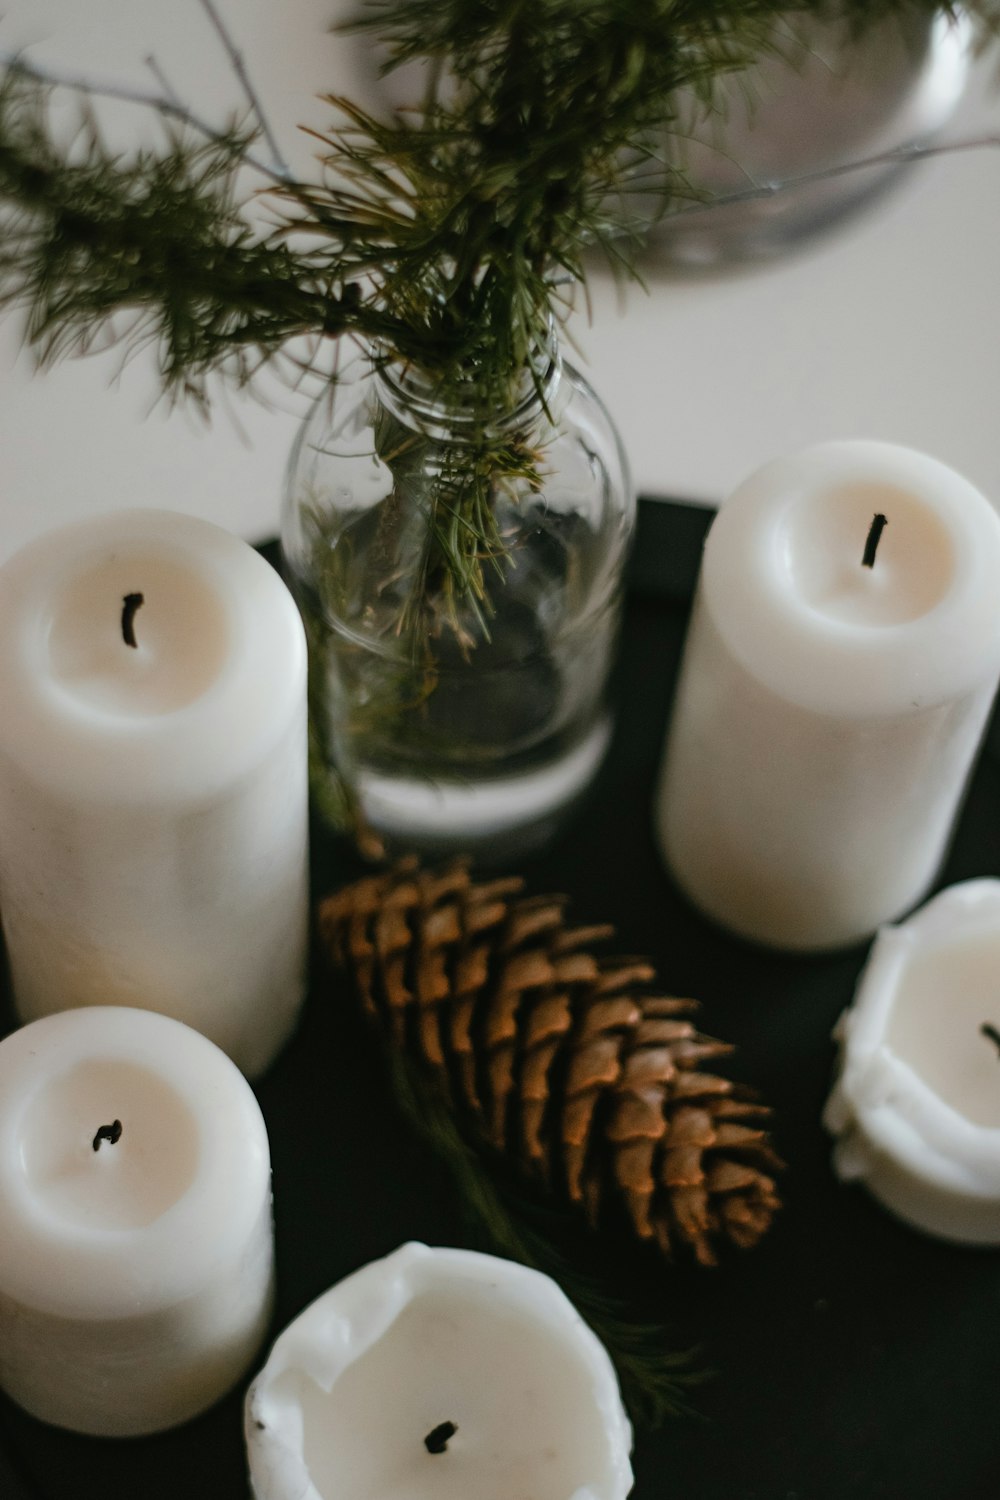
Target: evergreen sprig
[160,240]
[448,235]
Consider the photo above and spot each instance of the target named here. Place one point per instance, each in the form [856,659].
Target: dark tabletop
[851,1357]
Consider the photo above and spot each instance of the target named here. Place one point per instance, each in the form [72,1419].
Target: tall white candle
[438,1375]
[135,1221]
[828,712]
[153,795]
[916,1106]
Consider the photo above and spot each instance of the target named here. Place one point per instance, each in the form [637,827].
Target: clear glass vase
[451,716]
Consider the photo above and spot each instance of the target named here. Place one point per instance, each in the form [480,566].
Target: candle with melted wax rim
[153,779]
[135,1221]
[438,1375]
[916,1106]
[842,657]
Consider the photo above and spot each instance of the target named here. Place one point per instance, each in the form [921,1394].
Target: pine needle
[443,237]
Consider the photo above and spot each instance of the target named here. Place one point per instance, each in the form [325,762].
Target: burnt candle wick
[130,604]
[875,530]
[992,1033]
[110,1133]
[438,1438]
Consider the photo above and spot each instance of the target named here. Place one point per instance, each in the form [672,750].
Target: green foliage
[448,235]
[441,233]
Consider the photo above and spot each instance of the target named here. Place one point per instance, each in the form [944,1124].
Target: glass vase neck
[414,396]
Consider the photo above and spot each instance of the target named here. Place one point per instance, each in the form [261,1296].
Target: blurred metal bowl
[824,98]
[829,100]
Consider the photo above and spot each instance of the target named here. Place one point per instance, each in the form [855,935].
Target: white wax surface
[823,545]
[356,1384]
[135,1278]
[936,1030]
[828,713]
[125,1184]
[916,1105]
[178,652]
[504,1444]
[153,798]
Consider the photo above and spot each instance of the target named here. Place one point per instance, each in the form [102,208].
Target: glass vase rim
[412,394]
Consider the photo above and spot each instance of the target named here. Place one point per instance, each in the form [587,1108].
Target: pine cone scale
[602,1016]
[616,977]
[551,1017]
[595,1065]
[637,1115]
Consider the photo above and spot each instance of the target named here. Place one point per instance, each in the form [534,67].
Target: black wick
[110,1133]
[130,604]
[437,1440]
[990,1031]
[875,530]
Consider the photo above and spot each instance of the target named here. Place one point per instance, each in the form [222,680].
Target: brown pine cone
[571,1064]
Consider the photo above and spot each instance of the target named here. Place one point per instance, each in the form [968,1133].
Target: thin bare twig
[169,104]
[895,156]
[96,88]
[169,91]
[239,67]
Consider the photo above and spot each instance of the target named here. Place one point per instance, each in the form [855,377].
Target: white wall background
[889,327]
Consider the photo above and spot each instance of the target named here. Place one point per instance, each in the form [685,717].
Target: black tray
[852,1357]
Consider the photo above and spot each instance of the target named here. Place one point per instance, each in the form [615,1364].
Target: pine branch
[159,236]
[443,236]
[456,217]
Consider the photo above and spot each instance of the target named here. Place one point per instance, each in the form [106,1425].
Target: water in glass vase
[458,720]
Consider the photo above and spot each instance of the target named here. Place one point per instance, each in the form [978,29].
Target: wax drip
[875,530]
[438,1438]
[991,1031]
[110,1133]
[130,604]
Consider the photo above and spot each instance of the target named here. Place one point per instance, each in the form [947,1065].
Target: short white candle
[153,797]
[438,1375]
[916,1106]
[135,1272]
[828,712]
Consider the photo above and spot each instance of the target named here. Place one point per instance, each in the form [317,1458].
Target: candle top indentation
[913,572]
[509,1382]
[174,657]
[936,1023]
[73,1176]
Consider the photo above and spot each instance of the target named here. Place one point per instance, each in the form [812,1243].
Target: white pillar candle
[153,834]
[916,1106]
[135,1221]
[438,1375]
[828,712]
